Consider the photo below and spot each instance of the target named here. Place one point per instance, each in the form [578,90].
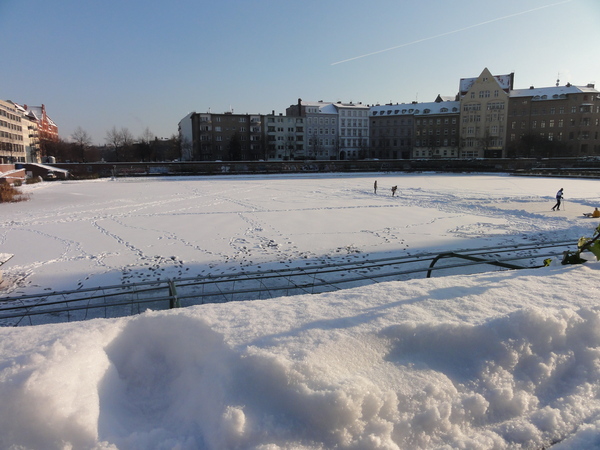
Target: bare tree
[113,138]
[147,136]
[82,140]
[143,148]
[118,139]
[126,136]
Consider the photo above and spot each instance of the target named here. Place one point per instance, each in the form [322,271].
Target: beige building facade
[12,144]
[483,115]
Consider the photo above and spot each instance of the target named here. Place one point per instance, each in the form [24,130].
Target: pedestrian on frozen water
[394,189]
[375,187]
[559,197]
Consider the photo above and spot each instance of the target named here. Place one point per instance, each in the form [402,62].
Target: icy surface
[504,359]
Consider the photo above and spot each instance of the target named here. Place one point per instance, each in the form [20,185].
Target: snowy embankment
[497,360]
[504,359]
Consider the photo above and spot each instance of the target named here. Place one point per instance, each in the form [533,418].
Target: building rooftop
[416,109]
[553,92]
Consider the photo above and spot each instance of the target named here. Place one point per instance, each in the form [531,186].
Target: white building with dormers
[353,130]
[334,131]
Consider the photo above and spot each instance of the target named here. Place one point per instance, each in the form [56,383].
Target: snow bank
[455,362]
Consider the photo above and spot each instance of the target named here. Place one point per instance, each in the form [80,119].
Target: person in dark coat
[375,187]
[394,189]
[559,197]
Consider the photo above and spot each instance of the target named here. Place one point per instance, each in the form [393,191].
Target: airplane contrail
[450,32]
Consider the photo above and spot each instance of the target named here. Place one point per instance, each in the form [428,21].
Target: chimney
[300,107]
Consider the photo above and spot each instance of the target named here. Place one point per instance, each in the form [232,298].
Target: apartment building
[353,130]
[437,130]
[12,145]
[483,115]
[415,130]
[47,128]
[554,121]
[284,137]
[24,132]
[391,130]
[334,130]
[227,136]
[321,128]
[488,118]
[31,141]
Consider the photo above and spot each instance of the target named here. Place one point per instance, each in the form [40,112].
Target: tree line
[120,145]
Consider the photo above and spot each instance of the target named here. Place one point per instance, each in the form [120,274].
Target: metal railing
[134,298]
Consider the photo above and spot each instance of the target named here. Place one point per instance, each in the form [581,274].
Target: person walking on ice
[375,187]
[394,189]
[559,197]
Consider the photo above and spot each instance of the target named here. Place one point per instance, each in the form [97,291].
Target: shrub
[10,194]
[33,180]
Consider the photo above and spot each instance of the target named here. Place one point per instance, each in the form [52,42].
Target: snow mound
[396,365]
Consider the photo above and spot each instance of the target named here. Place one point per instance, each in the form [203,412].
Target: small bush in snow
[9,193]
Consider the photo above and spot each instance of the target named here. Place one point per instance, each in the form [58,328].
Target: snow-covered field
[503,359]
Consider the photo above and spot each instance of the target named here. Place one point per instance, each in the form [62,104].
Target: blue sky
[138,64]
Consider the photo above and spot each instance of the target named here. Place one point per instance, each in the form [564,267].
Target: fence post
[173,300]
